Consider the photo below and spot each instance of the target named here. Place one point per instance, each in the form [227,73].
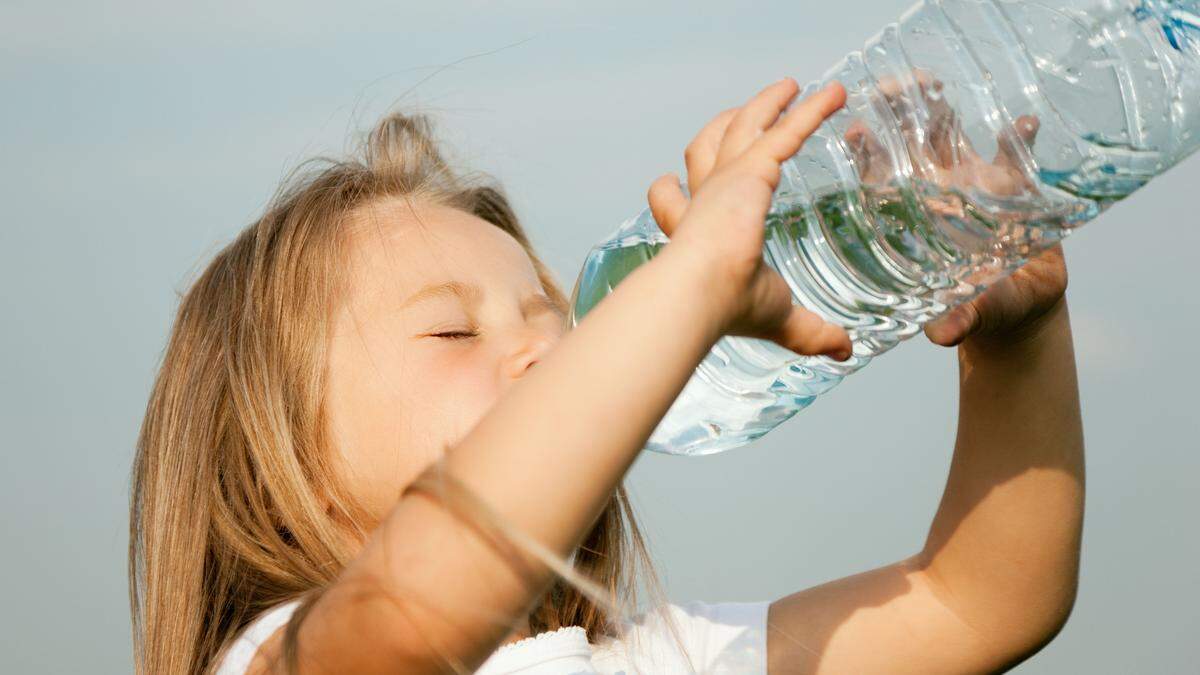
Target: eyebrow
[470,294]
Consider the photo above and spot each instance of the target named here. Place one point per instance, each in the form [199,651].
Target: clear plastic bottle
[976,134]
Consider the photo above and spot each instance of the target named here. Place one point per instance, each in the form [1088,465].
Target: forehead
[398,243]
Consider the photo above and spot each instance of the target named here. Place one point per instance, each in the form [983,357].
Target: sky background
[138,137]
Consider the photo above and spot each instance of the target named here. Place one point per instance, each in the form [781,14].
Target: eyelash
[456,335]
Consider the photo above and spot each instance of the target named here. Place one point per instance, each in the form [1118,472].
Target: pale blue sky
[138,137]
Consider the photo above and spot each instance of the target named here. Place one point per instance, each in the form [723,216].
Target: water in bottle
[976,134]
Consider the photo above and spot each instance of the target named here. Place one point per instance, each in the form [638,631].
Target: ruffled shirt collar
[565,650]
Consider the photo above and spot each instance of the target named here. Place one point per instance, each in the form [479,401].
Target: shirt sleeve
[726,637]
[240,654]
[693,637]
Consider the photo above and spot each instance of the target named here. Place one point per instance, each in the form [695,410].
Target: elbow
[1056,605]
[1032,630]
[1057,618]
[1010,622]
[360,625]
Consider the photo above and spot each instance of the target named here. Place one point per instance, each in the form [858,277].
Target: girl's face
[443,313]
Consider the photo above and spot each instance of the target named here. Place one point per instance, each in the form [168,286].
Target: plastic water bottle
[976,134]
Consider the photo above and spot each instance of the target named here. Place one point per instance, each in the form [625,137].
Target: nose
[531,350]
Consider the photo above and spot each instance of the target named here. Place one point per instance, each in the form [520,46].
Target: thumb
[667,202]
[806,333]
[953,327]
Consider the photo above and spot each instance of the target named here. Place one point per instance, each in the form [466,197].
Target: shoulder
[721,637]
[237,658]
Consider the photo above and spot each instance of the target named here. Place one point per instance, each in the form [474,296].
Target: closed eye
[456,335]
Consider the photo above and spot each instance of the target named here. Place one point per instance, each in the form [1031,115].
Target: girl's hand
[938,148]
[733,170]
[1011,309]
[942,153]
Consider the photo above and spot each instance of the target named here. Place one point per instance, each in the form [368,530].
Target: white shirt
[717,638]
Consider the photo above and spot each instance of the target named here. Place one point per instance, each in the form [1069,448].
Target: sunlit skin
[443,313]
[993,582]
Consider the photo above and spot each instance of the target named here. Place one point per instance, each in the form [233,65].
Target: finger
[667,202]
[1049,269]
[750,121]
[785,138]
[893,86]
[869,155]
[1054,254]
[889,86]
[946,139]
[701,153]
[806,333]
[953,327]
[1024,130]
[949,145]
[858,137]
[926,80]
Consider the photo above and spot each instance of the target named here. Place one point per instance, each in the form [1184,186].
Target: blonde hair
[234,507]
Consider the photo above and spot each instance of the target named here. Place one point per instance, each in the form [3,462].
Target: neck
[521,632]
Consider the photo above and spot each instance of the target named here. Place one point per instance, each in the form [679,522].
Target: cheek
[397,411]
[457,389]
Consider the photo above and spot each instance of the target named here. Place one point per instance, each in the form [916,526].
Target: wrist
[690,267]
[1023,339]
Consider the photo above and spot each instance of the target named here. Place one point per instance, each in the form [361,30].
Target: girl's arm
[997,576]
[427,591]
[546,458]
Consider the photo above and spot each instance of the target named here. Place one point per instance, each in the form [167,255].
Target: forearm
[546,459]
[1004,546]
[569,432]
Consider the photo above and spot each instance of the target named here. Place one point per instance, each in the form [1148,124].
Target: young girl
[368,449]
